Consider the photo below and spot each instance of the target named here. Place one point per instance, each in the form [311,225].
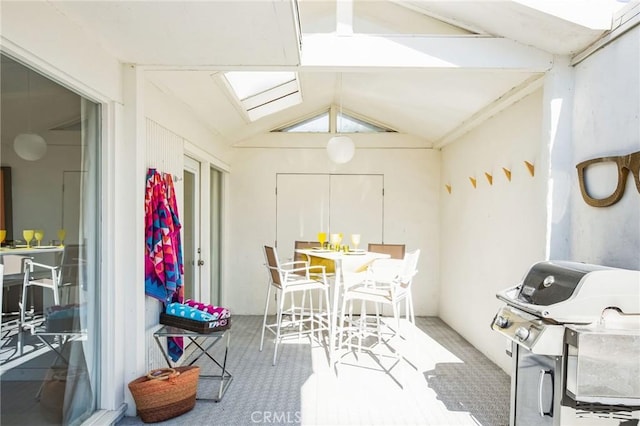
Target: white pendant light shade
[30,146]
[341,149]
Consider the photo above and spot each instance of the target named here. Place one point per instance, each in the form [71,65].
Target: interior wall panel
[411,213]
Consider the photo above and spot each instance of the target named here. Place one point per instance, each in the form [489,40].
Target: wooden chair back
[301,245]
[271,256]
[329,266]
[396,251]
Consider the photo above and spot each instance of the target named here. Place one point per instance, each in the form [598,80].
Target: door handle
[544,372]
[200,262]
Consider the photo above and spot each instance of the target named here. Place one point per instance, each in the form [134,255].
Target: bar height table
[345,263]
[211,339]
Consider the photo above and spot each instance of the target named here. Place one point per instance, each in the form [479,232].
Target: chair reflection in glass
[71,266]
[13,276]
[32,278]
[63,276]
[1,284]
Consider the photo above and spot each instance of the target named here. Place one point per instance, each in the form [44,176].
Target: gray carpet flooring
[441,380]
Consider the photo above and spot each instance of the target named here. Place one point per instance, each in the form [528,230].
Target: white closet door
[307,204]
[356,207]
[302,204]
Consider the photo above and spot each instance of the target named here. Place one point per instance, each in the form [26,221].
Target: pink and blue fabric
[163,248]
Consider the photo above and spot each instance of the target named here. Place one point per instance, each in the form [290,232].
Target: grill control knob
[502,322]
[522,333]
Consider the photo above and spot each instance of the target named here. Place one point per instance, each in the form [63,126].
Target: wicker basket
[165,393]
[54,389]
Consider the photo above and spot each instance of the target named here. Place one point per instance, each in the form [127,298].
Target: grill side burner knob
[522,333]
[502,322]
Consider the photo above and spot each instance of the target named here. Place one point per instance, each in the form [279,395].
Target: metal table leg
[225,377]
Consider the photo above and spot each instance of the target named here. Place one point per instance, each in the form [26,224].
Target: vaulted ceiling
[425,68]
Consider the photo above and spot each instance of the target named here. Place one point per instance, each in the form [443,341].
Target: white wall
[37,205]
[491,234]
[73,56]
[170,129]
[606,122]
[171,120]
[163,109]
[411,179]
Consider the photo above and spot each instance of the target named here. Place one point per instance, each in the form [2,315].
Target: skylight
[263,93]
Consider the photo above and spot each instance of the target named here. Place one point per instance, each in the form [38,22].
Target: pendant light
[29,146]
[340,147]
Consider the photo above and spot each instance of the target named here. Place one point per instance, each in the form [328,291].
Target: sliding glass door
[51,143]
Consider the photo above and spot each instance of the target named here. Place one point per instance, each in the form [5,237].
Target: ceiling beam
[397,51]
[624,21]
[319,141]
[344,17]
[511,97]
[423,8]
[593,14]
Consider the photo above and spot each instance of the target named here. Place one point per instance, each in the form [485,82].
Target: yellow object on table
[329,265]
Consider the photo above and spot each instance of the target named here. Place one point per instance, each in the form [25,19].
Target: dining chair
[71,267]
[329,266]
[396,251]
[1,289]
[293,278]
[13,276]
[32,278]
[380,290]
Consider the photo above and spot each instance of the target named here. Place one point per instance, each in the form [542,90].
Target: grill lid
[551,282]
[571,292]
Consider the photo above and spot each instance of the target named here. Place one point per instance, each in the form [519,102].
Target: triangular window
[349,124]
[344,123]
[317,124]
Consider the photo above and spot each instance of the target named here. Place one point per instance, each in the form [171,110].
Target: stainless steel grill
[574,333]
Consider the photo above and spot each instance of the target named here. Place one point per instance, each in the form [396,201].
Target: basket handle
[162,373]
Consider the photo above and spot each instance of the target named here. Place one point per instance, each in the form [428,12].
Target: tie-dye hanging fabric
[164,266]
[163,248]
[174,231]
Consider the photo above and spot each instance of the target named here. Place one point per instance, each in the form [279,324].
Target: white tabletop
[21,251]
[348,259]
